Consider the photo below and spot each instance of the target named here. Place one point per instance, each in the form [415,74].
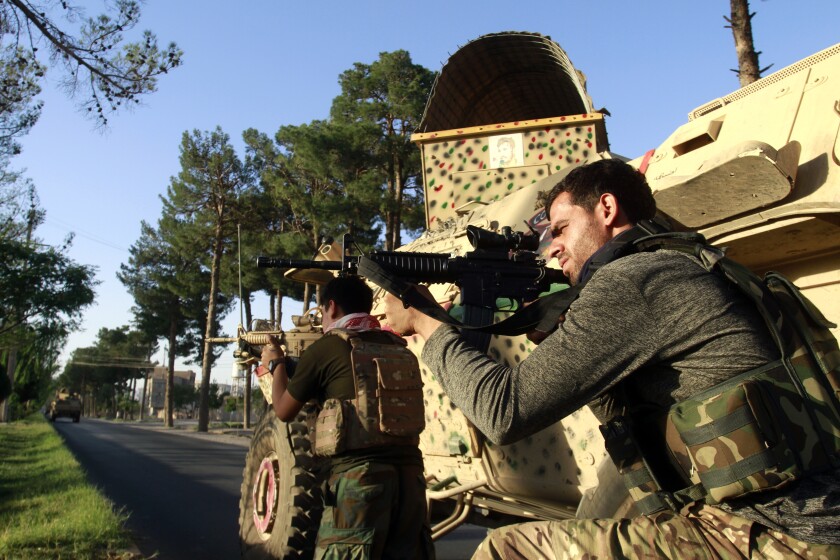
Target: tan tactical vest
[758,431]
[388,407]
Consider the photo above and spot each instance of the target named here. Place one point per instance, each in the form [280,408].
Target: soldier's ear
[333,308]
[609,210]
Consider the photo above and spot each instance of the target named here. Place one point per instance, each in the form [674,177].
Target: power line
[95,357]
[82,233]
[115,364]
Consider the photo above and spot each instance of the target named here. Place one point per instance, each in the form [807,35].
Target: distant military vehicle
[65,405]
[757,171]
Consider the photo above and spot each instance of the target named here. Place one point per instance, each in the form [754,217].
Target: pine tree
[390,95]
[200,213]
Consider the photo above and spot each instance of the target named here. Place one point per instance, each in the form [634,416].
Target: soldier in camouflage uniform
[658,343]
[375,497]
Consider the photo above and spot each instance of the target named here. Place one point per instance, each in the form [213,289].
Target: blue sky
[264,64]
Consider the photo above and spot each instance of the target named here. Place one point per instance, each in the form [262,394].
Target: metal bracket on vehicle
[463,507]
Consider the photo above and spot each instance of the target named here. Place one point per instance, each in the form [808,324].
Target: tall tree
[390,94]
[302,195]
[201,208]
[318,177]
[264,229]
[740,21]
[40,284]
[41,291]
[167,294]
[296,174]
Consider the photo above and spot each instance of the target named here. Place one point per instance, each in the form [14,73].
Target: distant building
[156,388]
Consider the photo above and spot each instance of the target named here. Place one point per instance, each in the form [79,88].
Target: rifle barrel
[271,262]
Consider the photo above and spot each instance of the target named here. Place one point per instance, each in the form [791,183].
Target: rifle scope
[507,240]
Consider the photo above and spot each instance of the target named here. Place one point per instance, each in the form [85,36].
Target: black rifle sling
[542,315]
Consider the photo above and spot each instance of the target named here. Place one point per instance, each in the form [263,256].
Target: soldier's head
[590,206]
[344,295]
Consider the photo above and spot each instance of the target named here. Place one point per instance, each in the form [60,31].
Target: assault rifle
[249,344]
[501,266]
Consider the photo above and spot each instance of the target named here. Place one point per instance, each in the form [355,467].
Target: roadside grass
[47,507]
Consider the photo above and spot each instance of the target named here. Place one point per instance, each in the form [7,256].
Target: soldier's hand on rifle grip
[272,355]
[408,321]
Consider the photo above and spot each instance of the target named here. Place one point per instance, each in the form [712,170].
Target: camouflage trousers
[375,511]
[699,532]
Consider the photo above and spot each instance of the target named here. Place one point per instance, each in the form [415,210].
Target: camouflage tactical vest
[388,406]
[757,431]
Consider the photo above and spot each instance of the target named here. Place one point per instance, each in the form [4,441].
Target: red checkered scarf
[355,322]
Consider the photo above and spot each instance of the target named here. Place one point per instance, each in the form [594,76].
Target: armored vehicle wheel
[280,504]
[610,499]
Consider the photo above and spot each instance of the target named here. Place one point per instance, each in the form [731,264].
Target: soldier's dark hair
[586,184]
[350,293]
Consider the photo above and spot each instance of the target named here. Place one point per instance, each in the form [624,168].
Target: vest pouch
[330,429]
[735,445]
[400,395]
[623,448]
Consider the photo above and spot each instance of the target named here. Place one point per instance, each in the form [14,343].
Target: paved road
[181,488]
[182,492]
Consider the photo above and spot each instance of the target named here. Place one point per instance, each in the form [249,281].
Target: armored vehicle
[508,116]
[65,405]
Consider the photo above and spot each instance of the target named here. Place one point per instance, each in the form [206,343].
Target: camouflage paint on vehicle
[458,167]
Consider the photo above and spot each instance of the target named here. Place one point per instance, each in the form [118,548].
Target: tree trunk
[11,364]
[85,400]
[169,398]
[740,23]
[132,384]
[143,397]
[398,200]
[203,401]
[246,304]
[389,212]
[271,315]
[277,319]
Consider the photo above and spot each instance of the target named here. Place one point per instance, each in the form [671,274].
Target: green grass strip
[47,507]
